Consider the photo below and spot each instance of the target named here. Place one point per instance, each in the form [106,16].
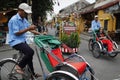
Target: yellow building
[108,15]
[86,16]
[108,12]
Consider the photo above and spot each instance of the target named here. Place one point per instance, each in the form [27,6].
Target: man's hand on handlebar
[32,27]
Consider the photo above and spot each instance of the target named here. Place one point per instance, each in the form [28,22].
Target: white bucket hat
[25,7]
[96,16]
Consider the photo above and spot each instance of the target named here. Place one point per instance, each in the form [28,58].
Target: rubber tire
[11,63]
[92,73]
[59,76]
[96,50]
[113,55]
[90,45]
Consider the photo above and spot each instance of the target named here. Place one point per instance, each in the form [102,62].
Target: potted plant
[72,41]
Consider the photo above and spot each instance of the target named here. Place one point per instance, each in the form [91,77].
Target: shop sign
[69,27]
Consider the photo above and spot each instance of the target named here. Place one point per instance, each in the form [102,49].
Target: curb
[5,47]
[5,50]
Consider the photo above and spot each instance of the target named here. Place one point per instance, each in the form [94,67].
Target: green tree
[6,4]
[39,8]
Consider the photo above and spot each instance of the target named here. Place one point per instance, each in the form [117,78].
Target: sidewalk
[5,47]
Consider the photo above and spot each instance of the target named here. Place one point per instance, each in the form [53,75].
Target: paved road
[106,68]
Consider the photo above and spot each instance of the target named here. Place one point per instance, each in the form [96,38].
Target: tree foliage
[9,4]
[72,40]
[6,4]
[39,8]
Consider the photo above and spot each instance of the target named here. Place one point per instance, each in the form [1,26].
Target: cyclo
[74,67]
[98,48]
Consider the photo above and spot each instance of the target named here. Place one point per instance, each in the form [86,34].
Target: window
[105,24]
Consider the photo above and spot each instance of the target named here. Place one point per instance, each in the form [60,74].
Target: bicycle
[8,71]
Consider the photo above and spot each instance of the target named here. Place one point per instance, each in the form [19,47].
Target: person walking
[18,26]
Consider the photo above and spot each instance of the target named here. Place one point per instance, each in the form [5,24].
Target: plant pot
[72,40]
[66,50]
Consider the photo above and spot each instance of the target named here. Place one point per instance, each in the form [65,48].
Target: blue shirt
[15,24]
[95,25]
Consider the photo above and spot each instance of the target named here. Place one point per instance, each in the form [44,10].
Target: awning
[106,4]
[88,9]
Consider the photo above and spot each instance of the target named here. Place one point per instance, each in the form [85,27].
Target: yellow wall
[3,19]
[81,25]
[79,21]
[107,16]
[102,17]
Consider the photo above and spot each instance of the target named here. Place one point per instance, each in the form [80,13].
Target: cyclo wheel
[96,50]
[113,55]
[61,75]
[91,73]
[7,70]
[90,44]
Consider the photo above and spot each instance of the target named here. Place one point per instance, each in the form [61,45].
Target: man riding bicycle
[95,25]
[18,26]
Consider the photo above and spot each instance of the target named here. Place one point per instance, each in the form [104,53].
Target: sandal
[37,75]
[19,70]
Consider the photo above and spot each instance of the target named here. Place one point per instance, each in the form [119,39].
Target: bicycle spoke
[7,71]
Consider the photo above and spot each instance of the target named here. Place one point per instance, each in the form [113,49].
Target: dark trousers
[28,52]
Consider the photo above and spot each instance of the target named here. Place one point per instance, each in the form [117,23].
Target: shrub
[72,40]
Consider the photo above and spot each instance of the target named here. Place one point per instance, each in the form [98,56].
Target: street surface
[105,68]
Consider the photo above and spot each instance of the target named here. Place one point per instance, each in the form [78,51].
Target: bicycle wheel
[88,74]
[114,54]
[90,44]
[96,50]
[7,71]
[61,75]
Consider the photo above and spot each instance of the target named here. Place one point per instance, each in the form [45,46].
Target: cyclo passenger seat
[76,67]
